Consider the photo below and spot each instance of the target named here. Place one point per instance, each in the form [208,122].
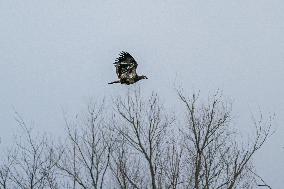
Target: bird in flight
[126,66]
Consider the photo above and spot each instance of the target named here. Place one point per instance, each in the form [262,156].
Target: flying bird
[126,67]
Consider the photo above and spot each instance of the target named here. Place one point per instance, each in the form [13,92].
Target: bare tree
[140,146]
[171,166]
[214,157]
[126,166]
[87,153]
[5,170]
[143,125]
[33,161]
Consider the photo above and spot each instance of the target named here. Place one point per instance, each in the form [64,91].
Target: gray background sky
[56,54]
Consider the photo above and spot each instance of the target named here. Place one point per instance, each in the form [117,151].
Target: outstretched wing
[125,65]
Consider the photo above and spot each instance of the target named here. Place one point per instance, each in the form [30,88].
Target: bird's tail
[114,82]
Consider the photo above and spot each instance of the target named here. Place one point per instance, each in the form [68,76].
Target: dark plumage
[126,69]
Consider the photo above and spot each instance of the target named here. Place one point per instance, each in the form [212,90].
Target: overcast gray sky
[56,54]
